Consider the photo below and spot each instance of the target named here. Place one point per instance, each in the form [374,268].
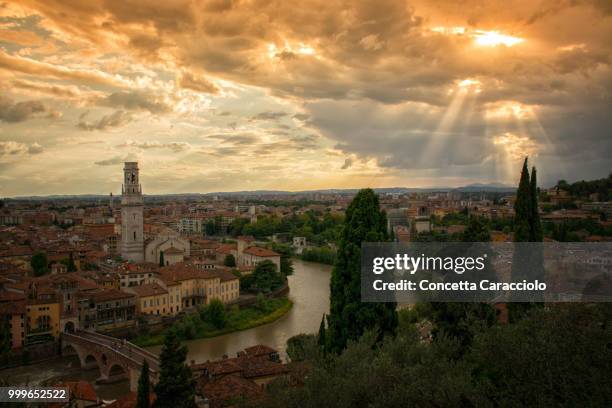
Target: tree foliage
[555,357]
[229,261]
[39,263]
[349,318]
[215,313]
[162,261]
[176,387]
[264,278]
[144,387]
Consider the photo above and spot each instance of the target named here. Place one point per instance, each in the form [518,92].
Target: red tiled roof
[230,387]
[12,308]
[261,252]
[259,350]
[82,390]
[150,289]
[111,294]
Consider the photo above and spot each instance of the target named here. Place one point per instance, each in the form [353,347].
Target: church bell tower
[132,230]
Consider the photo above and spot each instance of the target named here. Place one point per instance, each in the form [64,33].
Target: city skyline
[243,96]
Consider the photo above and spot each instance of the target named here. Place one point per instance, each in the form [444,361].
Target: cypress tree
[536,225]
[522,207]
[71,267]
[321,339]
[161,258]
[349,318]
[527,261]
[176,387]
[144,387]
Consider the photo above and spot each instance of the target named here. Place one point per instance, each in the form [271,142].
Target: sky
[237,95]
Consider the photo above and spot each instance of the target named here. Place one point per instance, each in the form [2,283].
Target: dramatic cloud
[392,92]
[12,148]
[20,111]
[199,84]
[115,119]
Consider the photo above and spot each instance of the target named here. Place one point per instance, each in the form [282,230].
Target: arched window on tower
[134,235]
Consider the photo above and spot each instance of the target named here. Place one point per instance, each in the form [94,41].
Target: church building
[133,245]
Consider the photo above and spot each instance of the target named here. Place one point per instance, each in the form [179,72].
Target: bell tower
[132,229]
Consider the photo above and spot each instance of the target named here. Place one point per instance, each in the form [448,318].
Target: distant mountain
[489,187]
[471,188]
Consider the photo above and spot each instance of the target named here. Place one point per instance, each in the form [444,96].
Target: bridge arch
[90,361]
[115,359]
[69,327]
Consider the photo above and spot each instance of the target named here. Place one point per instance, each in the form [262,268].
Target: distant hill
[490,187]
[471,188]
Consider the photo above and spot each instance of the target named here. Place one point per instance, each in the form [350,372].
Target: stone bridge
[115,358]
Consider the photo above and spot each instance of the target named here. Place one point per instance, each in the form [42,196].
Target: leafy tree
[554,357]
[144,387]
[286,252]
[162,262]
[215,313]
[229,261]
[264,278]
[39,263]
[476,231]
[176,387]
[322,255]
[302,347]
[349,318]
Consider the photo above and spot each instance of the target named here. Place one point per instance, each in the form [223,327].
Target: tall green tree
[321,338]
[522,207]
[144,387]
[176,386]
[349,318]
[527,260]
[39,263]
[161,258]
[71,267]
[536,234]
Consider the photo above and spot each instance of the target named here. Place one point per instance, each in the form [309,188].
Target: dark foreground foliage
[560,356]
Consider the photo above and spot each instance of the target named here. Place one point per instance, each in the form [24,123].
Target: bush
[215,314]
[322,255]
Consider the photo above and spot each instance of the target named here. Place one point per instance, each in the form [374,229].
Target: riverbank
[193,327]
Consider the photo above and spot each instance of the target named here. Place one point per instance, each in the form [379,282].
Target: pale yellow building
[151,298]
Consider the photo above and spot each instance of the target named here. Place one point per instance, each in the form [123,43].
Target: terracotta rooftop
[12,308]
[261,252]
[111,294]
[229,388]
[150,289]
[259,350]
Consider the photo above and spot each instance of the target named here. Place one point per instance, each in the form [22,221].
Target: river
[309,291]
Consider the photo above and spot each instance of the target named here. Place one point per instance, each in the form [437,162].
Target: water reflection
[310,295]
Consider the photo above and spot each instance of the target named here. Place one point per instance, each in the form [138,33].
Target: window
[134,235]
